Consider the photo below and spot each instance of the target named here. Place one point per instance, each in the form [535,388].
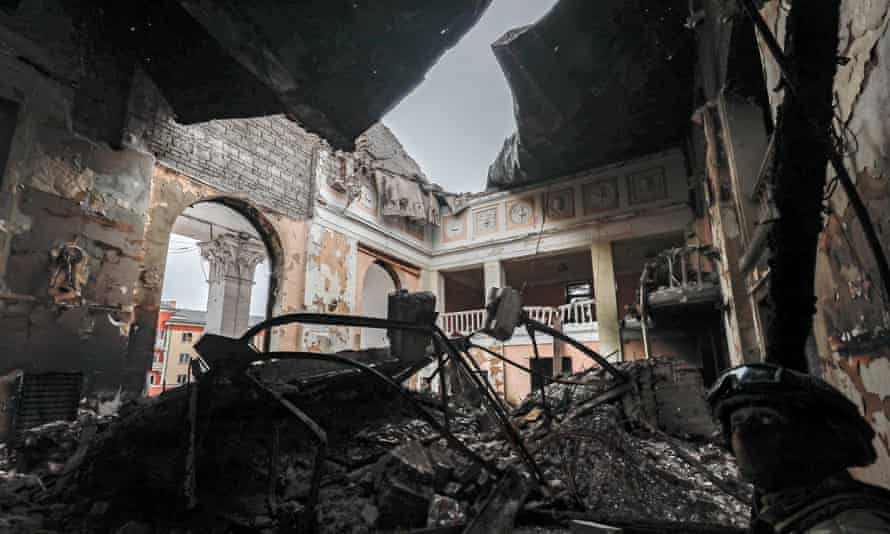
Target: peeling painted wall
[82,170]
[852,320]
[62,187]
[331,264]
[851,323]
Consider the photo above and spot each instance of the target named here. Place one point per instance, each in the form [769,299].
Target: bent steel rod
[511,433]
[334,320]
[438,427]
[541,327]
[530,371]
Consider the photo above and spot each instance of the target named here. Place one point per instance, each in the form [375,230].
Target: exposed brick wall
[267,159]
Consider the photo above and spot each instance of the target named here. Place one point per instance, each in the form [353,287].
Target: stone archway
[231,246]
[171,195]
[379,281]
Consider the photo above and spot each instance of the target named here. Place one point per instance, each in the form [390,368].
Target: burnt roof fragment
[594,83]
[336,67]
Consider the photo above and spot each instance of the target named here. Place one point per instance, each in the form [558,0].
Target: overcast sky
[455,122]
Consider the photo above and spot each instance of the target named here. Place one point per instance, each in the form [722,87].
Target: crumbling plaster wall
[59,187]
[851,321]
[82,169]
[331,269]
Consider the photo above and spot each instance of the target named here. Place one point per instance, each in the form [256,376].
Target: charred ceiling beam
[594,83]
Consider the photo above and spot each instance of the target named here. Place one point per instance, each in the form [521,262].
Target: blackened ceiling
[335,66]
[594,82]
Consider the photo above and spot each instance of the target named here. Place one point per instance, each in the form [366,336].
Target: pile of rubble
[613,461]
[37,464]
[384,469]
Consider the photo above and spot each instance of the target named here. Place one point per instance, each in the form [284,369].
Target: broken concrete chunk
[445,511]
[498,513]
[466,471]
[410,463]
[99,508]
[370,514]
[401,506]
[452,489]
[443,466]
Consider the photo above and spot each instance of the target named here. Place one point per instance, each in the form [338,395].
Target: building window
[185,358]
[152,379]
[186,337]
[541,366]
[566,365]
[159,357]
[180,379]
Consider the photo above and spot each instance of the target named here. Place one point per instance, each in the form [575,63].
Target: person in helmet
[794,436]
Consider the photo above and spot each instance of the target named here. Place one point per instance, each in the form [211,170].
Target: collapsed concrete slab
[592,83]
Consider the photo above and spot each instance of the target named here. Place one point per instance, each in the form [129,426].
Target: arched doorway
[379,282]
[217,279]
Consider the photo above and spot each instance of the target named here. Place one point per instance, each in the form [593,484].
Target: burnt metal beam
[834,156]
[803,151]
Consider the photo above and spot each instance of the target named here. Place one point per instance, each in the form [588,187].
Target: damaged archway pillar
[233,260]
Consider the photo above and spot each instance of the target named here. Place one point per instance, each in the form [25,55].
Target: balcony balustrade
[579,313]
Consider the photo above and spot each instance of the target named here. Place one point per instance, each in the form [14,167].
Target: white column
[432,280]
[493,272]
[233,260]
[605,291]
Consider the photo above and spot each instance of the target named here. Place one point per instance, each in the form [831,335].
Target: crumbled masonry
[385,469]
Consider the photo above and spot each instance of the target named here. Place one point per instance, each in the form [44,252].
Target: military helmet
[795,393]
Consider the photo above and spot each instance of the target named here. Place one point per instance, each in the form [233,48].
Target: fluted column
[233,260]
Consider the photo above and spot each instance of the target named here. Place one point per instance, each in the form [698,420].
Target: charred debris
[313,442]
[265,441]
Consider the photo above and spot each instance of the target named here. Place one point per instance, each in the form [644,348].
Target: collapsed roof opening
[455,120]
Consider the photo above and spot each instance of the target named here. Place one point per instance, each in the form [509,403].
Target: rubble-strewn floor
[385,469]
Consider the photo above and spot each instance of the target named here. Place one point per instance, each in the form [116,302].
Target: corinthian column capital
[232,256]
